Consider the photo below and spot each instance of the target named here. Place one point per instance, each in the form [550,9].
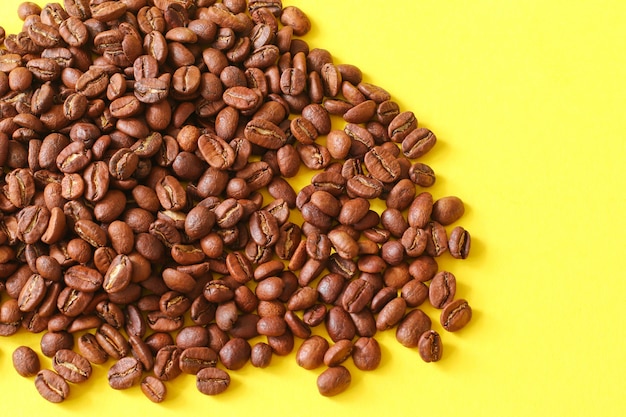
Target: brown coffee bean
[51,386]
[194,359]
[212,381]
[154,389]
[310,354]
[235,353]
[25,361]
[430,347]
[91,349]
[459,243]
[442,289]
[333,381]
[71,366]
[411,327]
[261,355]
[167,363]
[437,239]
[391,314]
[422,174]
[124,373]
[447,210]
[366,353]
[455,315]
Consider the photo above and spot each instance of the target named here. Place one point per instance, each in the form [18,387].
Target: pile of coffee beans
[146,215]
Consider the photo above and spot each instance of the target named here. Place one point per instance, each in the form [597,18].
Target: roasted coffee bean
[333,381]
[89,347]
[124,373]
[112,341]
[71,366]
[235,353]
[25,361]
[411,327]
[261,355]
[442,289]
[459,243]
[154,389]
[366,353]
[455,315]
[194,359]
[166,363]
[391,314]
[447,210]
[429,346]
[212,381]
[51,386]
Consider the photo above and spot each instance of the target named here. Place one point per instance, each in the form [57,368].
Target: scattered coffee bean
[137,144]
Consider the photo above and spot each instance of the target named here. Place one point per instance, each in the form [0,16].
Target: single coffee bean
[447,210]
[366,353]
[212,381]
[310,354]
[459,243]
[89,347]
[193,359]
[333,381]
[261,355]
[124,373]
[442,289]
[71,366]
[455,315]
[338,353]
[391,314]
[235,353]
[429,346]
[25,361]
[154,389]
[51,386]
[167,363]
[411,327]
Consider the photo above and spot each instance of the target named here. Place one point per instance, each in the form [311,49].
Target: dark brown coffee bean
[124,373]
[357,295]
[52,342]
[51,386]
[455,315]
[382,165]
[194,359]
[71,366]
[235,353]
[339,324]
[154,389]
[212,381]
[261,355]
[25,361]
[333,381]
[166,363]
[338,353]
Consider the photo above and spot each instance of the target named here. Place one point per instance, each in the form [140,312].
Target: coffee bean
[459,243]
[212,381]
[333,381]
[366,353]
[154,389]
[411,327]
[25,361]
[442,289]
[124,373]
[71,366]
[429,346]
[455,315]
[51,386]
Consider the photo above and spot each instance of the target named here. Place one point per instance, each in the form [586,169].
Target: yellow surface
[527,99]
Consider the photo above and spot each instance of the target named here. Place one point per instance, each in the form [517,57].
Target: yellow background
[527,99]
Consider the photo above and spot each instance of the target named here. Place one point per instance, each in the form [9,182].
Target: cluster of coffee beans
[139,142]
